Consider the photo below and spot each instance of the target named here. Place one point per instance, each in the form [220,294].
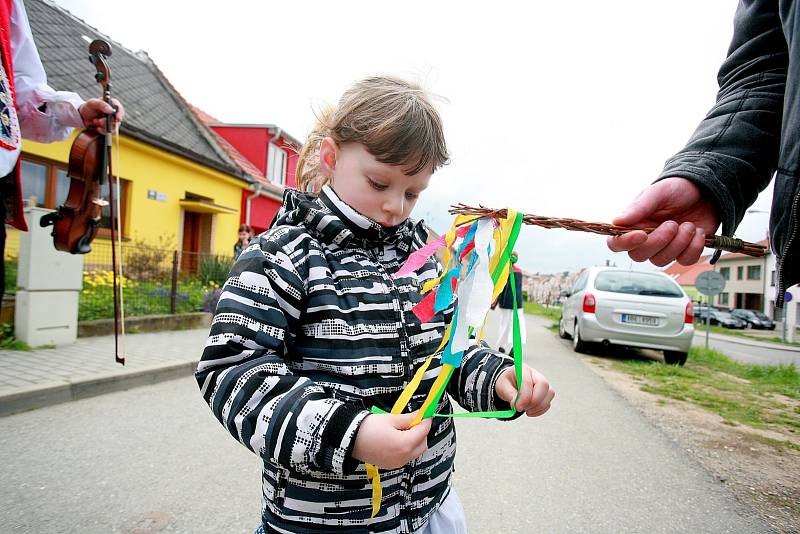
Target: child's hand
[535,396]
[382,440]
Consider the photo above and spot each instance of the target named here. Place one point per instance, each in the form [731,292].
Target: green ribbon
[498,414]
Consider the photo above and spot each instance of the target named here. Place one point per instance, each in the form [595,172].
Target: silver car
[630,308]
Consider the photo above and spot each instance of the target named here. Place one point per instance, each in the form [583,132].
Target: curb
[41,395]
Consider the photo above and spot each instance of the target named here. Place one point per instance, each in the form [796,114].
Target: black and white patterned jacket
[310,332]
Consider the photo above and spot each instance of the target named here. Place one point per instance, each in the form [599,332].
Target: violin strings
[119,242]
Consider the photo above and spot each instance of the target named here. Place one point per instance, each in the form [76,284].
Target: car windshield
[761,316]
[635,283]
[745,313]
[722,315]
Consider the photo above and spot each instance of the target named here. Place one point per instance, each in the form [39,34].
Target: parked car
[754,319]
[701,311]
[725,319]
[629,308]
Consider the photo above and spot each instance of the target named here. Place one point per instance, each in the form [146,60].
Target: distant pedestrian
[507,308]
[245,235]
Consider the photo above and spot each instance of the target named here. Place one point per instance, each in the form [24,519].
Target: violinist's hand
[682,217]
[94,112]
[535,394]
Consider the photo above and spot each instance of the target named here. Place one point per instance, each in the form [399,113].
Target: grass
[8,341]
[550,312]
[758,396]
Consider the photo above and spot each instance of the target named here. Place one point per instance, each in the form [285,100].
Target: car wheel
[674,357]
[578,345]
[562,332]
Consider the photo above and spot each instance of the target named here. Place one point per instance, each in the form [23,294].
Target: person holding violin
[31,109]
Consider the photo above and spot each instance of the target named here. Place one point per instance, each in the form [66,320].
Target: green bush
[11,275]
[146,261]
[215,269]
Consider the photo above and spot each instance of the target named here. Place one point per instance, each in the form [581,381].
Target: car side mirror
[565,293]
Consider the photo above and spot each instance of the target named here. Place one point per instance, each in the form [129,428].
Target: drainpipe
[258,191]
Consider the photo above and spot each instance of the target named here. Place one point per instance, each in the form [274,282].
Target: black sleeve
[734,151]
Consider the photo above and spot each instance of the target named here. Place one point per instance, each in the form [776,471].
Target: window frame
[751,268]
[272,151]
[51,190]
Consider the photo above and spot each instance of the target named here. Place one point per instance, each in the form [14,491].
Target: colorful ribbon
[487,245]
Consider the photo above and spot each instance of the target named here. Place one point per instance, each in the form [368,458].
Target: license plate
[639,319]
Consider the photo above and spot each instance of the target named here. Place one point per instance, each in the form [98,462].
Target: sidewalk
[42,377]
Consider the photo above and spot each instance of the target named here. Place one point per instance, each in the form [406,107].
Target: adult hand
[535,395]
[682,218]
[94,112]
[384,440]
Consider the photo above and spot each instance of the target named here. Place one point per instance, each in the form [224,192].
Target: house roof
[255,174]
[686,275]
[273,127]
[155,112]
[730,256]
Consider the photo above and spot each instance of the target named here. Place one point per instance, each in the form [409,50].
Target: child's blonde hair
[392,118]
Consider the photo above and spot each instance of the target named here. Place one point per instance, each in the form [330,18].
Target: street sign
[787,297]
[710,283]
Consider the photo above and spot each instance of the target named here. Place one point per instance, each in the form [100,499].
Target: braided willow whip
[729,244]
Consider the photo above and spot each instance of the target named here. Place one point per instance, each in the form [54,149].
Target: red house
[269,155]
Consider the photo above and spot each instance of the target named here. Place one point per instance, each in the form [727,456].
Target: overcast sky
[564,109]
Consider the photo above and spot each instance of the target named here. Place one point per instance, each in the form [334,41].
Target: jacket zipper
[792,217]
[404,341]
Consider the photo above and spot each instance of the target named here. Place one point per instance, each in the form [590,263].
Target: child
[311,331]
[245,235]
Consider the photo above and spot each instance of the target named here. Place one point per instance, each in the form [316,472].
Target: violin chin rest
[49,219]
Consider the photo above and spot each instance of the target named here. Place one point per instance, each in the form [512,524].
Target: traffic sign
[710,283]
[787,297]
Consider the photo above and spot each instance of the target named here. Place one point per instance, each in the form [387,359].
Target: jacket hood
[331,220]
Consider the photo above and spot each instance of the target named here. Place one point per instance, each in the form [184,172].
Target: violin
[76,222]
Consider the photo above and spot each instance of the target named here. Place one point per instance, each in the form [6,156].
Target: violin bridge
[100,202]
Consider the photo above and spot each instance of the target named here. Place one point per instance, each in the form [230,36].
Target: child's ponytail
[308,175]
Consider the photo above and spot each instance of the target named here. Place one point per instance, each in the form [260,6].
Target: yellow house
[179,188]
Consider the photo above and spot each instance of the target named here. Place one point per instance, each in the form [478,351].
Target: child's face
[382,192]
[243,235]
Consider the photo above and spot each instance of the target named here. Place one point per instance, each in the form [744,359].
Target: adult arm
[730,157]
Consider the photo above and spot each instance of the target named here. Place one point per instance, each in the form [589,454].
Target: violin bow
[99,51]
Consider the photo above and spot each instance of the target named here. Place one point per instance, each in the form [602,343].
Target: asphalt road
[749,353]
[154,459]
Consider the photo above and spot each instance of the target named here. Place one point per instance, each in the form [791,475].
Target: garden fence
[155,280]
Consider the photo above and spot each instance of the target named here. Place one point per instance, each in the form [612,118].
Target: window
[35,179]
[580,283]
[49,183]
[637,283]
[725,272]
[740,272]
[276,165]
[723,298]
[754,272]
